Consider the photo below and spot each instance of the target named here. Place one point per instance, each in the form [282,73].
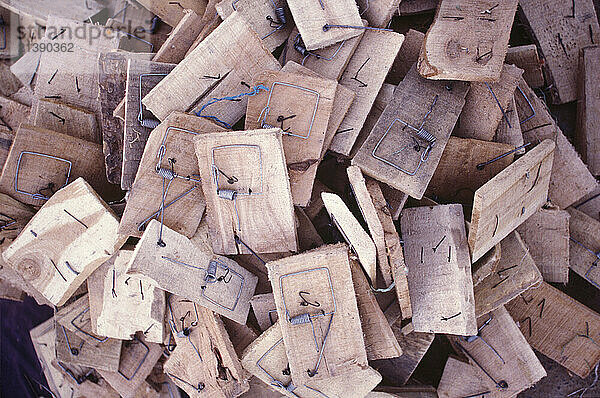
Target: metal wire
[38,195]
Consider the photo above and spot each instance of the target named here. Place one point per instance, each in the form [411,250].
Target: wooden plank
[171,12]
[73,9]
[510,359]
[441,291]
[590,204]
[486,104]
[25,68]
[10,292]
[395,200]
[263,306]
[546,235]
[121,305]
[37,152]
[487,264]
[407,56]
[92,385]
[15,215]
[324,274]
[510,198]
[584,246]
[301,106]
[509,129]
[560,328]
[570,180]
[378,12]
[410,7]
[12,113]
[587,139]
[256,160]
[308,237]
[88,238]
[515,273]
[526,57]
[423,104]
[144,202]
[236,53]
[561,30]
[70,120]
[218,373]
[180,39]
[461,170]
[467,40]
[365,74]
[142,76]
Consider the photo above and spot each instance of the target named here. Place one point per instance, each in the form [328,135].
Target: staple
[198,387]
[83,331]
[578,335]
[38,196]
[478,395]
[451,317]
[305,302]
[71,268]
[69,372]
[528,104]
[499,105]
[87,5]
[72,350]
[149,123]
[136,340]
[470,339]
[6,223]
[541,304]
[594,264]
[138,38]
[61,119]
[77,84]
[184,331]
[52,77]
[528,319]
[301,48]
[572,15]
[362,84]
[75,218]
[114,279]
[481,166]
[502,384]
[273,381]
[438,245]
[489,10]
[480,57]
[562,44]
[63,30]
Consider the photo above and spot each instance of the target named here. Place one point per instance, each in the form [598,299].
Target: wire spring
[149,123]
[300,319]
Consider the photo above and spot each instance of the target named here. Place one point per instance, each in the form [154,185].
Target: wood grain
[171,12]
[587,138]
[509,129]
[70,120]
[526,57]
[584,242]
[12,113]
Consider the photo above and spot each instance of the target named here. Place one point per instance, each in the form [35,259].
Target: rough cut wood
[486,104]
[590,204]
[74,9]
[410,7]
[509,129]
[57,264]
[486,264]
[261,187]
[6,140]
[180,39]
[407,56]
[468,40]
[511,359]
[227,292]
[10,292]
[516,272]
[439,270]
[392,143]
[15,215]
[236,54]
[546,235]
[395,200]
[570,180]
[584,246]
[561,30]
[172,12]
[526,57]
[510,198]
[559,327]
[365,74]
[378,12]
[263,306]
[324,274]
[70,120]
[94,386]
[12,113]
[587,137]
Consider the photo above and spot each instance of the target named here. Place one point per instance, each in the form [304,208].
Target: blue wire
[252,93]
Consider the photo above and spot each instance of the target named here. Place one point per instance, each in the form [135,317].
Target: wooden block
[10,292]
[590,204]
[56,116]
[205,363]
[559,327]
[57,158]
[441,291]
[263,188]
[57,264]
[84,381]
[424,105]
[26,67]
[570,180]
[328,62]
[142,76]
[515,273]
[6,140]
[546,235]
[467,40]
[236,53]
[15,215]
[181,38]
[308,237]
[584,246]
[587,139]
[561,31]
[324,274]
[69,9]
[509,129]
[486,104]
[526,57]
[305,104]
[121,305]
[242,334]
[12,113]
[461,170]
[266,359]
[487,264]
[263,306]
[407,56]
[510,198]
[353,233]
[144,202]
[410,7]
[172,13]
[378,12]
[510,359]
[365,74]
[395,200]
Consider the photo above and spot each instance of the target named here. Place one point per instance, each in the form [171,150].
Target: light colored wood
[515,273]
[207,358]
[439,270]
[146,74]
[181,38]
[121,305]
[26,67]
[310,101]
[558,331]
[510,134]
[395,200]
[407,56]
[33,255]
[584,241]
[510,198]
[325,275]
[468,40]
[546,235]
[15,215]
[481,114]
[413,99]
[6,140]
[370,64]
[561,32]
[73,9]
[457,176]
[587,138]
[70,120]
[410,7]
[514,361]
[590,204]
[487,264]
[263,306]
[354,234]
[526,57]
[236,54]
[172,12]
[378,12]
[88,388]
[13,113]
[570,180]
[256,159]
